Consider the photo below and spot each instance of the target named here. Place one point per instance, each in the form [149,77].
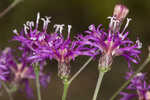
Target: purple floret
[5,57]
[35,42]
[18,72]
[39,45]
[111,43]
[138,87]
[42,45]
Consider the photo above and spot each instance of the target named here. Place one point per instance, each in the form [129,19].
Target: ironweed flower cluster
[139,87]
[19,72]
[112,42]
[40,45]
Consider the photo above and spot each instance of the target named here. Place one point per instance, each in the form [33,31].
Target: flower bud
[120,12]
[105,62]
[63,70]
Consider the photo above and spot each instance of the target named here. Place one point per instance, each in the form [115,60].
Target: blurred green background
[80,14]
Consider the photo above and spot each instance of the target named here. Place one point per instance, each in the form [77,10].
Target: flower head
[67,50]
[34,41]
[19,72]
[111,43]
[140,89]
[39,45]
[5,57]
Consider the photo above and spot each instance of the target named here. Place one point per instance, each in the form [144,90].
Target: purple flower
[20,72]
[138,87]
[34,41]
[111,43]
[66,50]
[4,58]
[39,45]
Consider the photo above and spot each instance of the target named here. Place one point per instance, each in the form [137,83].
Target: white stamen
[58,37]
[69,28]
[50,43]
[42,37]
[121,36]
[33,38]
[139,44]
[113,22]
[91,27]
[30,24]
[139,74]
[6,50]
[58,28]
[37,20]
[25,28]
[46,21]
[34,53]
[127,23]
[15,31]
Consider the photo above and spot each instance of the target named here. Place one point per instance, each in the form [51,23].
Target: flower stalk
[105,62]
[15,2]
[81,69]
[101,74]
[66,86]
[67,82]
[37,70]
[7,90]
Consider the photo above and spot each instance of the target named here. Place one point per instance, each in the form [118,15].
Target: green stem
[101,74]
[7,90]
[128,81]
[68,82]
[12,5]
[66,86]
[36,69]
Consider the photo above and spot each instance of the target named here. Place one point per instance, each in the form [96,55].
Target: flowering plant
[39,45]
